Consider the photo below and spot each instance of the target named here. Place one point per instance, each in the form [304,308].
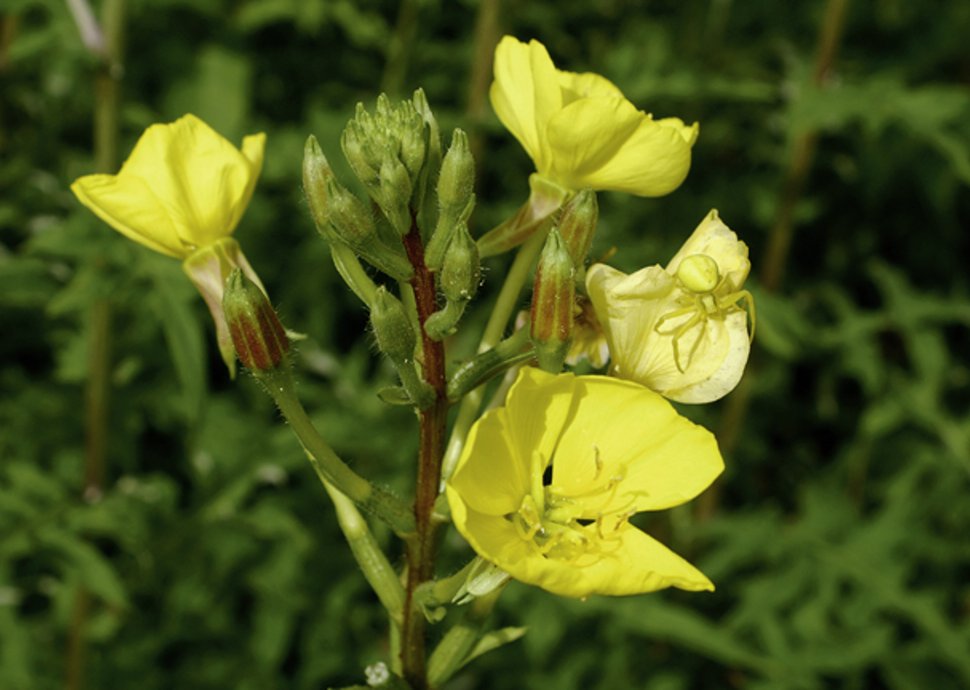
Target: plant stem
[779,239]
[371,559]
[98,383]
[505,304]
[396,65]
[421,549]
[328,466]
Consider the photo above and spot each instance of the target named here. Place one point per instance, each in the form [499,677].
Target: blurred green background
[190,546]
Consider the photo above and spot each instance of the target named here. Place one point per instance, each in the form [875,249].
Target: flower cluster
[547,486]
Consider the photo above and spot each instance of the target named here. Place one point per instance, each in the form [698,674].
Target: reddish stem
[432,444]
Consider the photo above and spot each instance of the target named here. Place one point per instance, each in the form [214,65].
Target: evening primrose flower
[182,192]
[183,187]
[680,330]
[581,132]
[546,485]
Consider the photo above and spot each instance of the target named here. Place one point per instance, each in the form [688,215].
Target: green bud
[257,334]
[356,153]
[351,223]
[424,201]
[455,197]
[412,140]
[397,339]
[577,224]
[458,281]
[316,175]
[396,195]
[392,327]
[457,179]
[461,270]
[553,297]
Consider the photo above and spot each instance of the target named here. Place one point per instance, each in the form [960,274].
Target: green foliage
[210,557]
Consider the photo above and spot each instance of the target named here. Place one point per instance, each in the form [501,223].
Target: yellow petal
[491,476]
[182,187]
[653,161]
[586,135]
[586,85]
[525,93]
[626,450]
[733,332]
[128,205]
[712,352]
[637,563]
[538,406]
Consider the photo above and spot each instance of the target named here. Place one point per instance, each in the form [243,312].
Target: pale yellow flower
[546,485]
[183,187]
[680,330]
[581,131]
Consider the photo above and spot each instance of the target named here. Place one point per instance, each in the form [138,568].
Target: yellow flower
[680,331]
[545,486]
[183,187]
[581,131]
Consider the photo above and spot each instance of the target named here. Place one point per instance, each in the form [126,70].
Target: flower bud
[396,195]
[316,174]
[457,178]
[425,204]
[455,197]
[458,281]
[553,297]
[577,224]
[392,327]
[461,270]
[397,339]
[257,334]
[358,147]
[351,223]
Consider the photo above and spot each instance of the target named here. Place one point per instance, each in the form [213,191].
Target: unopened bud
[461,270]
[392,327]
[316,175]
[458,280]
[424,202]
[412,140]
[397,339]
[457,179]
[577,224]
[455,197]
[553,296]
[357,148]
[351,222]
[396,195]
[257,334]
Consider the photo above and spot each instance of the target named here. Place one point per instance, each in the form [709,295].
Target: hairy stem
[421,549]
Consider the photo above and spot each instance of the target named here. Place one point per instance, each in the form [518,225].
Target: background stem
[779,238]
[107,97]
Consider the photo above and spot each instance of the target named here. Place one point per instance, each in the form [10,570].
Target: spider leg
[672,315]
[733,298]
[679,332]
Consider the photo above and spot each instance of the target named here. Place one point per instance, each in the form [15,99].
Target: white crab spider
[700,279]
